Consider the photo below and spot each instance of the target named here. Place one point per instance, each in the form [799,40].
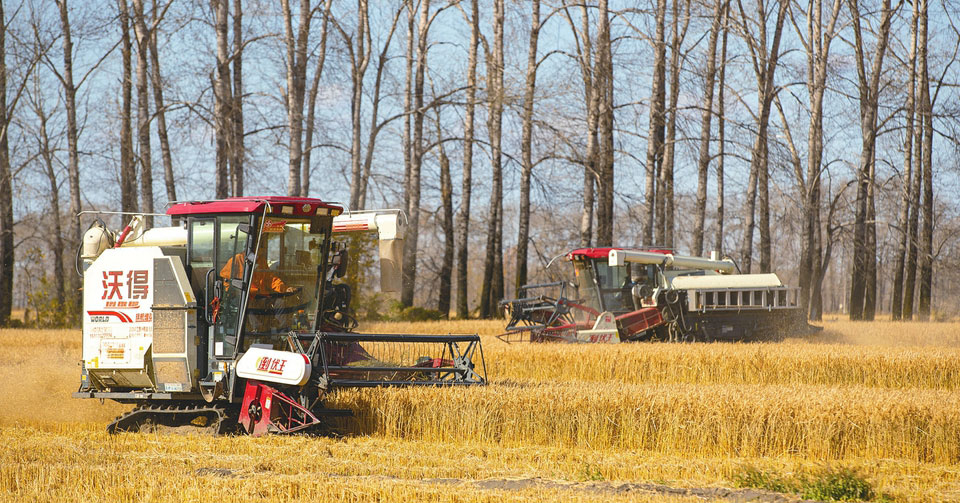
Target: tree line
[805,137]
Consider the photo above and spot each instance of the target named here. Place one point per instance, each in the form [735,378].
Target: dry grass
[882,398]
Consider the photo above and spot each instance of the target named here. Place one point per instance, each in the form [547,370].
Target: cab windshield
[287,278]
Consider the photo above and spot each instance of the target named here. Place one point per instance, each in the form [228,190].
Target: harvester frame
[207,322]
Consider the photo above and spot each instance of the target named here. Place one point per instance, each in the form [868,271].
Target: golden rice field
[632,422]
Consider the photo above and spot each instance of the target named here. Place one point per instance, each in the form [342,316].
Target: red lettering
[111,286]
[138,284]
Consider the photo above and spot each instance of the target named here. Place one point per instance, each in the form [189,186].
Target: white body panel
[269,365]
[769,280]
[390,228]
[117,315]
[604,330]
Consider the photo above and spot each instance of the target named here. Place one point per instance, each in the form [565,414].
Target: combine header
[627,295]
[235,319]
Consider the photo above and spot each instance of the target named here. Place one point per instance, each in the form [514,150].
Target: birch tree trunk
[416,161]
[312,100]
[296,65]
[903,217]
[864,260]
[492,285]
[665,227]
[73,157]
[655,136]
[721,131]
[236,134]
[604,160]
[156,83]
[128,169]
[223,100]
[764,65]
[706,119]
[526,147]
[143,111]
[924,303]
[359,48]
[463,217]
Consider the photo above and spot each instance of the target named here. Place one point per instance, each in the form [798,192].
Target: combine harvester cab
[236,317]
[627,295]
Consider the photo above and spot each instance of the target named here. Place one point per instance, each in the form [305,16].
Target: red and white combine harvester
[235,319]
[624,295]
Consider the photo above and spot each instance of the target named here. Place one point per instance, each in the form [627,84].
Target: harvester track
[209,419]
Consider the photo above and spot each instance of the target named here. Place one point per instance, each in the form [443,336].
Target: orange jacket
[263,282]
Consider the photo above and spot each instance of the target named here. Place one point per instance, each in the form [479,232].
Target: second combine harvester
[624,295]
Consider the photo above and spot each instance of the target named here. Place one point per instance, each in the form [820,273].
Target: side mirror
[344,259]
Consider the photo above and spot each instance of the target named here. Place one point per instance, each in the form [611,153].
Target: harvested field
[637,422]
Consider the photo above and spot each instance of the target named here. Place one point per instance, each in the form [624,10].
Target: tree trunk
[312,100]
[669,147]
[6,187]
[143,111]
[223,101]
[603,92]
[526,147]
[55,239]
[924,303]
[913,226]
[706,118]
[862,283]
[492,285]
[73,157]
[655,136]
[237,149]
[359,61]
[765,65]
[817,48]
[128,169]
[416,161]
[463,217]
[721,132]
[158,102]
[296,63]
[903,218]
[446,197]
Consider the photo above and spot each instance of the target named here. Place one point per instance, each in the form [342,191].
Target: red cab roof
[585,253]
[293,206]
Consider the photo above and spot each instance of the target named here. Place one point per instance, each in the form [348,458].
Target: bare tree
[492,287]
[706,119]
[223,100]
[721,131]
[296,63]
[926,116]
[655,136]
[463,217]
[446,225]
[908,187]
[526,147]
[816,43]
[143,111]
[236,133]
[665,200]
[754,33]
[312,99]
[604,161]
[128,170]
[863,275]
[73,157]
[412,189]
[158,102]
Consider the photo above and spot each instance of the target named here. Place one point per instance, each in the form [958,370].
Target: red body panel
[267,410]
[638,321]
[251,205]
